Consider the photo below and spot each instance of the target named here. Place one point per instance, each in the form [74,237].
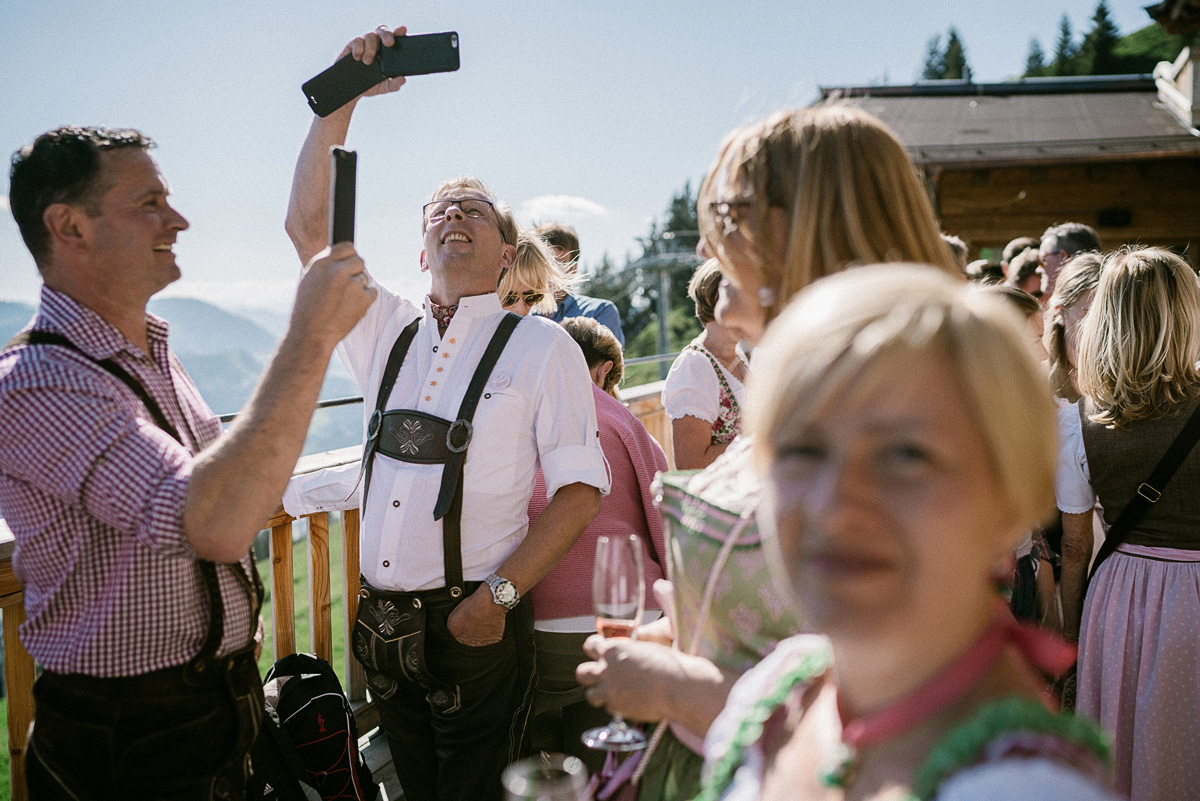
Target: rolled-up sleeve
[568,437]
[1072,481]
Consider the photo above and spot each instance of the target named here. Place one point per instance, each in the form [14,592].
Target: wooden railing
[643,401]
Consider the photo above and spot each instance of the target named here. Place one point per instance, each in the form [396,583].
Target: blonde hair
[504,216]
[1139,343]
[850,192]
[536,268]
[1078,277]
[849,333]
[702,289]
[599,345]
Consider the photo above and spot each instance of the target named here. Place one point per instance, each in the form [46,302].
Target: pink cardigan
[634,458]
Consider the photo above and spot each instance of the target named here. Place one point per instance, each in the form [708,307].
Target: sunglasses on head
[531,298]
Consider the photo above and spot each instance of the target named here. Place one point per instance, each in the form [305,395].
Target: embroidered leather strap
[390,372]
[457,439]
[208,570]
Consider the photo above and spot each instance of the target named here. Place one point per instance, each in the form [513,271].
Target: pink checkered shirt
[93,491]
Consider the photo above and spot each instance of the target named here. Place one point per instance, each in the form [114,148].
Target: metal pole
[664,312]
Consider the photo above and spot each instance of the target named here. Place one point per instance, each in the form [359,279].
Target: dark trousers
[153,736]
[460,753]
[560,713]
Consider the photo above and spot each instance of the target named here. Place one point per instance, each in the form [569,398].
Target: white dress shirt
[537,410]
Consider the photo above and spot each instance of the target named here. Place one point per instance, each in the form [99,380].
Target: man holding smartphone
[133,513]
[444,629]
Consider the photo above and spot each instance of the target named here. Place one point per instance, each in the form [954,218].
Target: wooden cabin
[1003,160]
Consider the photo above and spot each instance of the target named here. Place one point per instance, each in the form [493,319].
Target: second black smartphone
[421,54]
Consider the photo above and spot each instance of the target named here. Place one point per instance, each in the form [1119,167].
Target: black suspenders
[208,570]
[450,447]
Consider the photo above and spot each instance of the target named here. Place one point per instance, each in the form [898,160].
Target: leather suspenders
[420,438]
[208,570]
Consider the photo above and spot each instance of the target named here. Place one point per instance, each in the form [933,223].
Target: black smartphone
[343,168]
[348,78]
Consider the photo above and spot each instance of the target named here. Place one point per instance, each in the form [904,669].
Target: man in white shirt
[449,657]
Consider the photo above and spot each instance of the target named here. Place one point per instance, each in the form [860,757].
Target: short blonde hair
[536,268]
[1078,277]
[848,333]
[504,216]
[1140,341]
[851,194]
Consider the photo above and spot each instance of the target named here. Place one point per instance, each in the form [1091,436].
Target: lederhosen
[237,672]
[389,631]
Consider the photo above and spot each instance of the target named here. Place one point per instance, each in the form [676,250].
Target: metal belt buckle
[1148,492]
[468,432]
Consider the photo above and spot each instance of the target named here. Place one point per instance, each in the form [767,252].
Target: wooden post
[18,678]
[320,622]
[283,605]
[356,679]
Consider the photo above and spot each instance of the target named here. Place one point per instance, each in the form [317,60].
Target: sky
[593,113]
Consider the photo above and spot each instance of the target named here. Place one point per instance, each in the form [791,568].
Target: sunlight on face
[887,507]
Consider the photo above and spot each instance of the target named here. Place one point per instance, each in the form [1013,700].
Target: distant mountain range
[225,354]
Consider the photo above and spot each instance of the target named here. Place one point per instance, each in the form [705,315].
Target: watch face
[505,593]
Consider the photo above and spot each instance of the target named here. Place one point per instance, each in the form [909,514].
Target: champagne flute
[618,595]
[547,777]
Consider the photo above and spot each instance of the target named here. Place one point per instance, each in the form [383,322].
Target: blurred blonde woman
[789,199]
[1139,635]
[1073,293]
[906,438]
[529,285]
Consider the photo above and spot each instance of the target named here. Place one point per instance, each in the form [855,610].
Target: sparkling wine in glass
[619,596]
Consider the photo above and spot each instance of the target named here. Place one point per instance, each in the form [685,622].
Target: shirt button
[396,504]
[386,563]
[435,348]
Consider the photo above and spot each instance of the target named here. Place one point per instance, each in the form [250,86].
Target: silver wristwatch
[504,592]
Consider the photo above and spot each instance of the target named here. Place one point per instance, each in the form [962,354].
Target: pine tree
[1035,62]
[934,64]
[1064,50]
[954,58]
[1097,55]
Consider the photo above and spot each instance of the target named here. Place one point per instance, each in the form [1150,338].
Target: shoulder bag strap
[1149,491]
[458,438]
[391,371]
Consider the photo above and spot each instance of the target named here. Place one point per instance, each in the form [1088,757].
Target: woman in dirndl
[1139,625]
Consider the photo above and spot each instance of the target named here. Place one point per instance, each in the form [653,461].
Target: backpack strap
[458,439]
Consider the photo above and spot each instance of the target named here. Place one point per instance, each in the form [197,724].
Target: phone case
[422,54]
[341,83]
[343,166]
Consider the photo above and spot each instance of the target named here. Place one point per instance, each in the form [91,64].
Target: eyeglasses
[531,298]
[473,207]
[729,214]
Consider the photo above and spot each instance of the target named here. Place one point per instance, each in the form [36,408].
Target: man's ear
[68,226]
[508,255]
[424,266]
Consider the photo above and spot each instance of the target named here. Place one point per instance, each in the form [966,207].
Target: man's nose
[177,221]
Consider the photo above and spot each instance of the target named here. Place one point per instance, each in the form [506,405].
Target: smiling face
[885,505]
[132,239]
[464,247]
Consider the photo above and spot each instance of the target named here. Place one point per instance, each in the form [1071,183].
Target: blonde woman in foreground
[789,199]
[906,439]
